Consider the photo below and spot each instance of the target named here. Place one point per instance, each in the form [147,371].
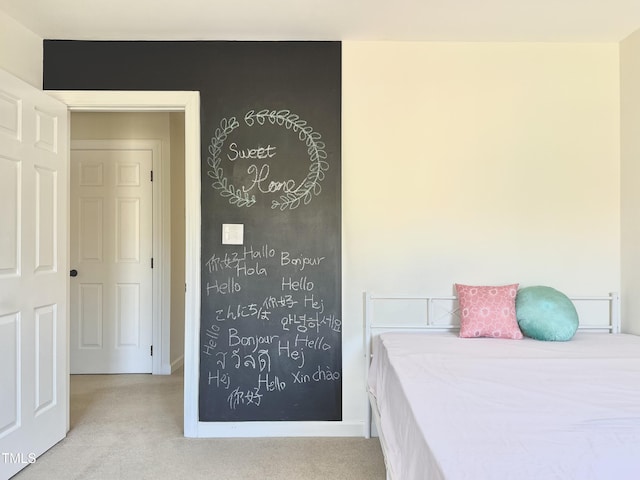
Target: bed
[454,408]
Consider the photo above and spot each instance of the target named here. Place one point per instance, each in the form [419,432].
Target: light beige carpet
[130,427]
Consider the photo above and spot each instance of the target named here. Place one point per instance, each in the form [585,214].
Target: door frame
[166,101]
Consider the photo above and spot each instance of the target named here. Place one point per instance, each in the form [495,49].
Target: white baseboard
[168,369]
[279,429]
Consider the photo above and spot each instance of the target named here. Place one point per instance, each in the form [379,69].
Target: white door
[34,402]
[111,250]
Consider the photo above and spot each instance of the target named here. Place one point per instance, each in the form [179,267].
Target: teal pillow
[544,313]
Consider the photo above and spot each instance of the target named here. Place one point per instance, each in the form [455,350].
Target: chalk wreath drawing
[292,198]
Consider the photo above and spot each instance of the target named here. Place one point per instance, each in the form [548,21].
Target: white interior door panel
[33,273]
[111,251]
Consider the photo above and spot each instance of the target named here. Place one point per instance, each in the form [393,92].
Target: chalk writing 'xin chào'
[320,375]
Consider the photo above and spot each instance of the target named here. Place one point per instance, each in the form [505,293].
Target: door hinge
[151,262]
[151,175]
[151,350]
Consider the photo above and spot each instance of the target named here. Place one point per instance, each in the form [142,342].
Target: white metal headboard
[441,314]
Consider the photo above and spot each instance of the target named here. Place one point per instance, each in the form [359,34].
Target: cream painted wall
[630,180]
[20,51]
[476,163]
[163,126]
[176,124]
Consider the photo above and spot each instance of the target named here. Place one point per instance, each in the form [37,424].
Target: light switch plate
[232,233]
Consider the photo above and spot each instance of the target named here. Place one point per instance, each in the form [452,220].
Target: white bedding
[489,409]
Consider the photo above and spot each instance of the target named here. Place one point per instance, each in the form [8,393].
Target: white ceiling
[428,20]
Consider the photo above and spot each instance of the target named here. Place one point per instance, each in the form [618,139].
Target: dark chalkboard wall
[270,339]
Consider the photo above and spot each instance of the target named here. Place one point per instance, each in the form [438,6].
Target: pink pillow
[488,311]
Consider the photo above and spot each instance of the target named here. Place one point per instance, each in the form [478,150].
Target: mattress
[455,408]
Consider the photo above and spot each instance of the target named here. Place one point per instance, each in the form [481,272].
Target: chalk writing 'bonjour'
[300,261]
[255,341]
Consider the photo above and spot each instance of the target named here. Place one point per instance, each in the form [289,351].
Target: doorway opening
[127,242]
[189,104]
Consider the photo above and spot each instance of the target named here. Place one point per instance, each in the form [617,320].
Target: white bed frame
[441,314]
